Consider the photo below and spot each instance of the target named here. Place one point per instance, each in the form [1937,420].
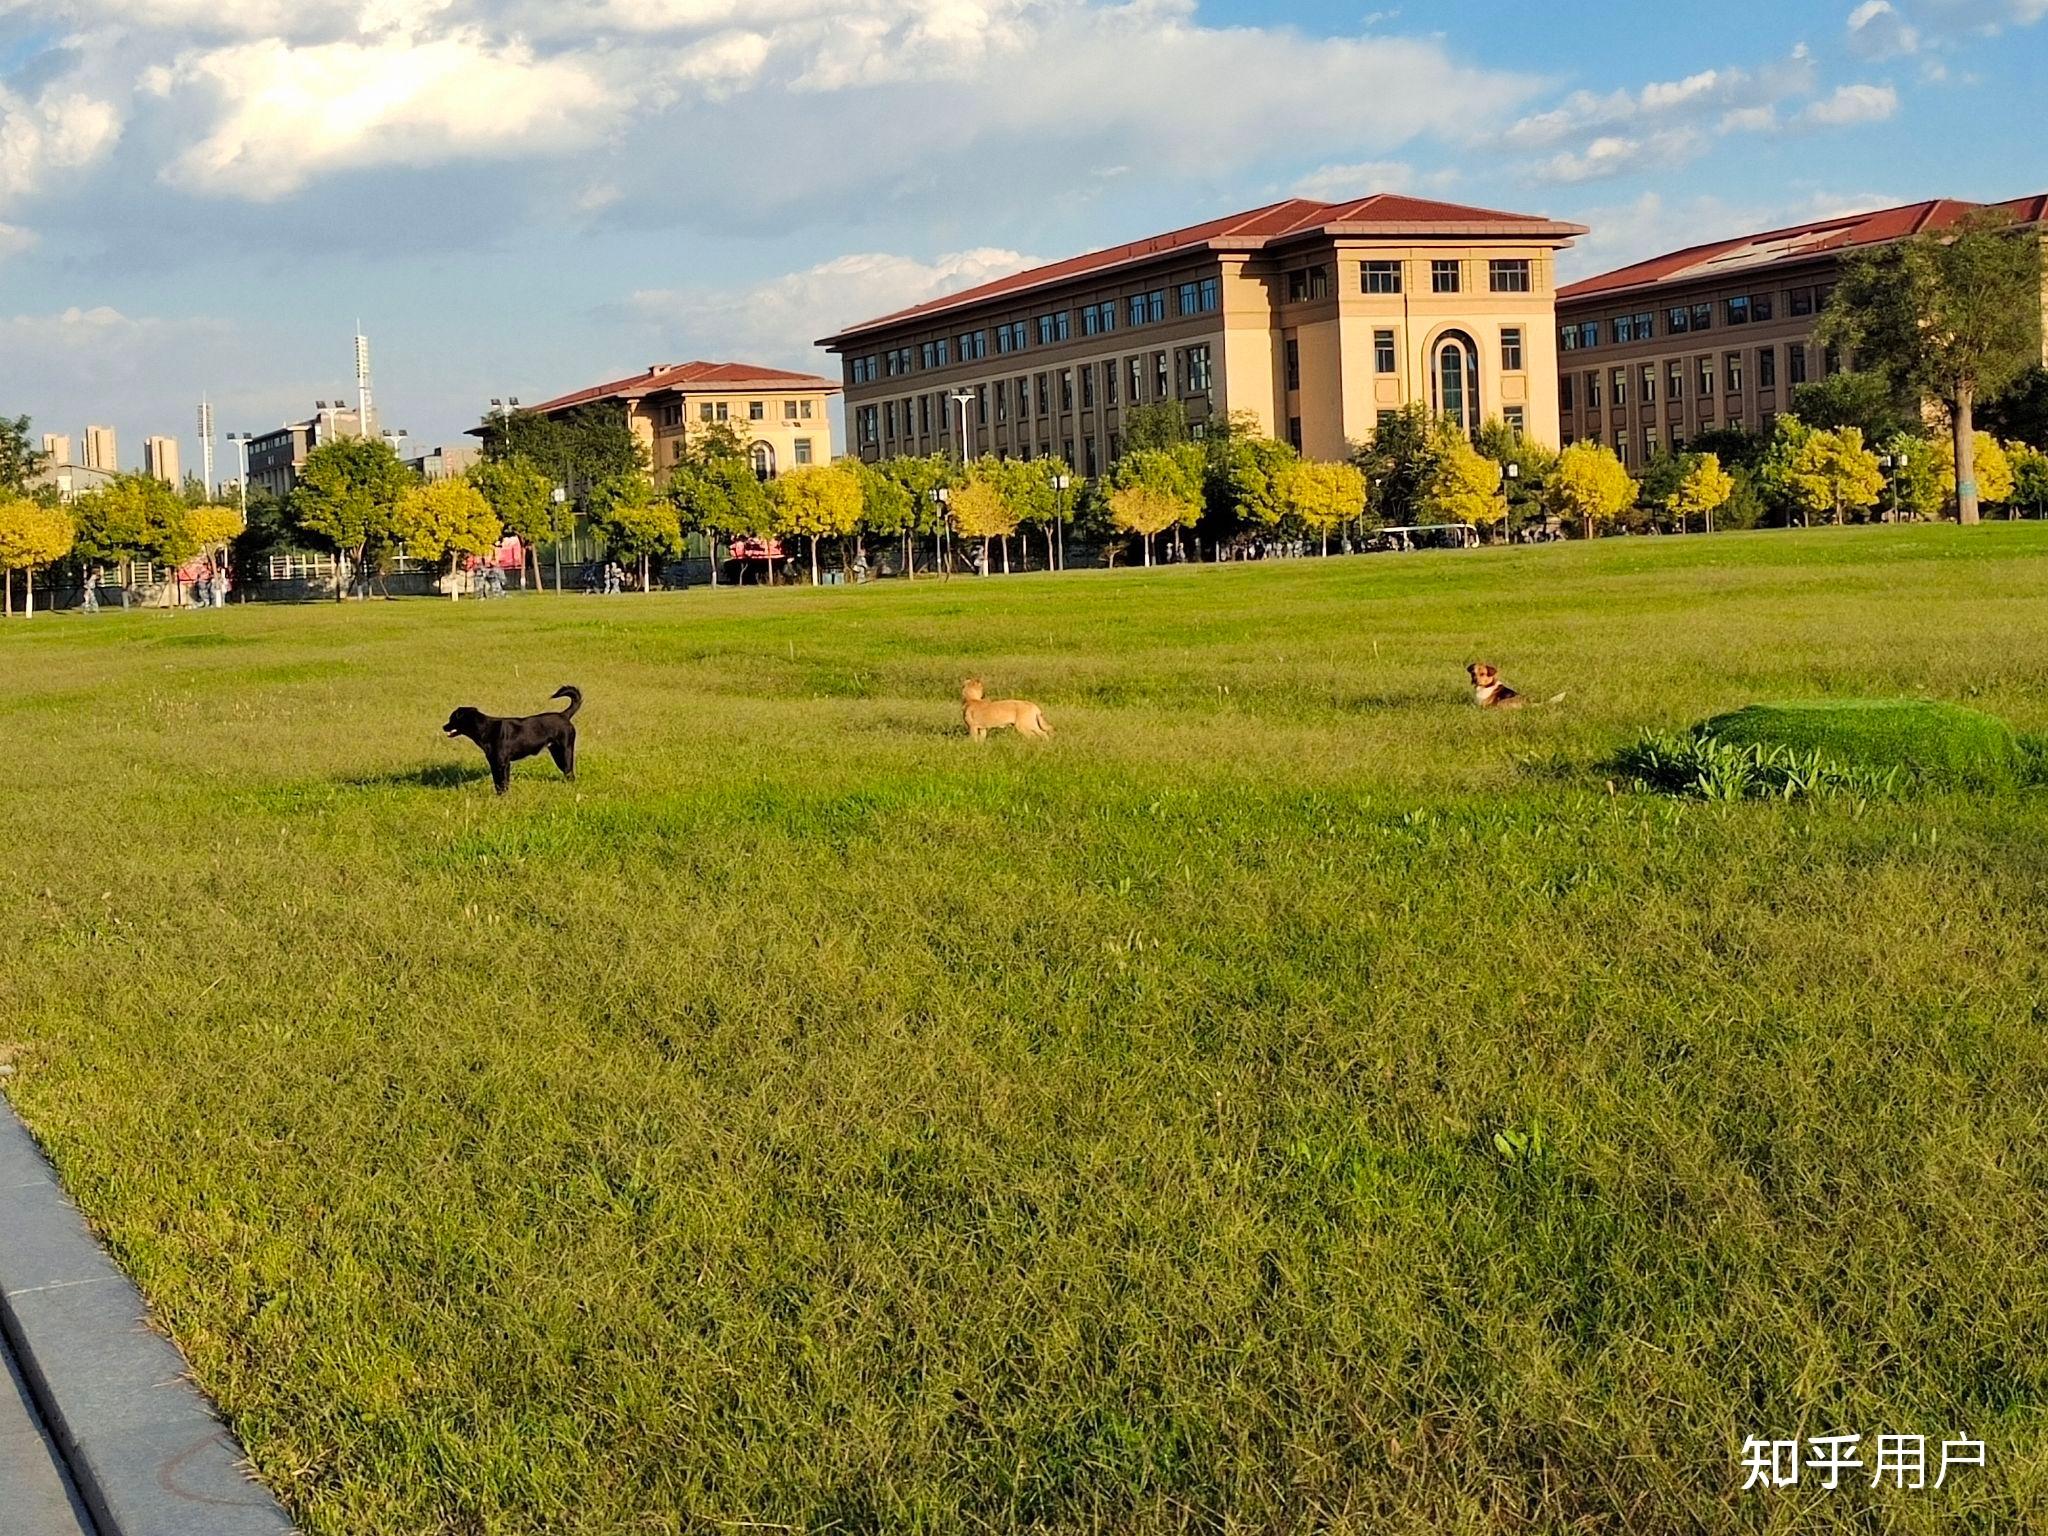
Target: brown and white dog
[1489,692]
[985,715]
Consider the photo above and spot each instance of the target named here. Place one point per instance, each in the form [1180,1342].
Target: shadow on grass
[433,776]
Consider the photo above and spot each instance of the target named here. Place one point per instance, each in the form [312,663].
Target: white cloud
[1852,104]
[772,322]
[1698,97]
[286,115]
[1619,155]
[62,129]
[1336,183]
[1878,31]
[14,240]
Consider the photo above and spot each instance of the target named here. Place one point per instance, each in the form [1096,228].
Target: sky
[523,197]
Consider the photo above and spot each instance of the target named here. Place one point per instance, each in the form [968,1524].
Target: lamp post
[1893,464]
[1059,485]
[963,399]
[1514,473]
[241,442]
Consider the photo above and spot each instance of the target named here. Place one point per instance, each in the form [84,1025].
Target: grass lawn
[1290,1099]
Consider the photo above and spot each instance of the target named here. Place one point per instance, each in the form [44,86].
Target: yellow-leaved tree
[445,519]
[1321,496]
[1833,472]
[31,536]
[981,511]
[1993,467]
[1588,485]
[213,529]
[1465,485]
[1703,492]
[819,501]
[1145,510]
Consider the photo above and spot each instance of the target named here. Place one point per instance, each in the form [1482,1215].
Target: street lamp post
[940,496]
[241,442]
[1514,474]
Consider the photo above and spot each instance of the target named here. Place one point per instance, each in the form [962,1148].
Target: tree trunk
[1326,543]
[28,590]
[1048,547]
[814,559]
[7,583]
[645,585]
[1148,548]
[558,564]
[454,583]
[1964,417]
[1006,554]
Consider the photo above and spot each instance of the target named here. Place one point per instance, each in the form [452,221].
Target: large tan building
[1319,319]
[783,418]
[1718,335]
[160,460]
[101,451]
[276,457]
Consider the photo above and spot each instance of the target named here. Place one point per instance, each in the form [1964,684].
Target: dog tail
[573,695]
[1555,698]
[1039,715]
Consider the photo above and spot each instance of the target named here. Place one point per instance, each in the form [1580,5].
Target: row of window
[868,422]
[1703,372]
[1650,439]
[1385,358]
[1681,319]
[1187,372]
[1503,275]
[721,410]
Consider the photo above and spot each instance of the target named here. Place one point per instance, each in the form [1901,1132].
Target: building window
[1617,381]
[891,408]
[1568,338]
[1800,301]
[1674,381]
[1383,352]
[1147,308]
[1308,283]
[924,415]
[972,345]
[704,412]
[764,461]
[981,405]
[1012,337]
[899,361]
[1620,446]
[1702,317]
[1564,392]
[1098,318]
[1002,400]
[1044,396]
[1161,379]
[1508,276]
[1053,328]
[1293,354]
[1831,362]
[1513,418]
[1589,334]
[1137,394]
[757,410]
[1760,307]
[863,369]
[1066,389]
[1198,369]
[1738,310]
[1443,277]
[1795,363]
[1294,433]
[1087,386]
[672,415]
[1706,378]
[803,450]
[935,354]
[1024,397]
[1734,370]
[1456,377]
[789,410]
[1380,277]
[1511,349]
[1678,320]
[1767,368]
[869,428]
[1592,389]
[1109,383]
[1200,298]
[1646,384]
[1649,444]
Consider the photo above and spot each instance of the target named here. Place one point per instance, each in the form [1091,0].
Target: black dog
[507,738]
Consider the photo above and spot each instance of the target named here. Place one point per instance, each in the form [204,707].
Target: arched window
[764,462]
[1454,380]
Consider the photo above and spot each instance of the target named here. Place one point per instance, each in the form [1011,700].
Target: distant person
[91,602]
[220,586]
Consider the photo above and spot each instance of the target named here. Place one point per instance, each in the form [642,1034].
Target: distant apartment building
[57,448]
[442,463]
[1318,319]
[782,419]
[101,452]
[70,481]
[1717,335]
[160,460]
[276,457]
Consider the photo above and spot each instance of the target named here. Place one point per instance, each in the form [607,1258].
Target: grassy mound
[1930,743]
[1837,746]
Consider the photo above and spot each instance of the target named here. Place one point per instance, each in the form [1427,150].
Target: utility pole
[206,445]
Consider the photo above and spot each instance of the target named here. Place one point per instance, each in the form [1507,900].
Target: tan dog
[1489,692]
[985,715]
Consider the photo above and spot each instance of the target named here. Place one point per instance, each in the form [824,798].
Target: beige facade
[1315,319]
[101,451]
[1719,335]
[782,419]
[57,447]
[160,460]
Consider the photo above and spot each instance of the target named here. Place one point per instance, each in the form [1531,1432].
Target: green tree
[637,522]
[1588,486]
[1145,510]
[2029,477]
[133,518]
[1400,464]
[590,444]
[1833,472]
[1530,462]
[1955,314]
[344,500]
[722,499]
[1247,477]
[981,511]
[213,529]
[31,536]
[1321,496]
[1465,487]
[1158,427]
[1031,488]
[2020,411]
[20,460]
[886,510]
[446,519]
[819,501]
[1914,475]
[522,494]
[1867,400]
[1702,490]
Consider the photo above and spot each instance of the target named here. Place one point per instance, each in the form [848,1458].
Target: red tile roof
[1799,242]
[1276,223]
[690,377]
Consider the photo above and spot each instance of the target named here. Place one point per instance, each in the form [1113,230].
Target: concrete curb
[144,1448]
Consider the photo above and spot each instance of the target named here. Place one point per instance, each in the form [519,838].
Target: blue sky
[525,196]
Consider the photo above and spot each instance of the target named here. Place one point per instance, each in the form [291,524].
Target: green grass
[1290,1099]
[1931,741]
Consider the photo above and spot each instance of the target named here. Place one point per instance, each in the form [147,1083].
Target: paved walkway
[36,1496]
